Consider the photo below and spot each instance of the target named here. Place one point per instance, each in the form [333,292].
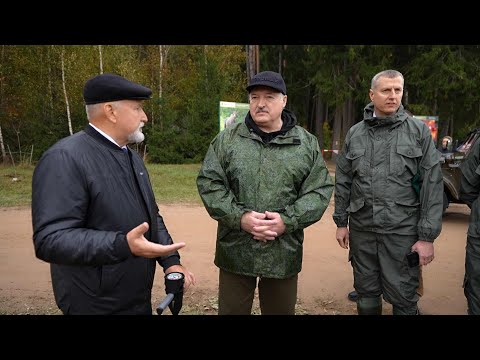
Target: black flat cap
[270,79]
[109,87]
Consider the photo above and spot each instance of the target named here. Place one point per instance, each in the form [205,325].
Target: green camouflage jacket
[240,173]
[374,175]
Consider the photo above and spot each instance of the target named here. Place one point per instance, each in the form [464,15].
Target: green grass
[16,192]
[175,183]
[171,184]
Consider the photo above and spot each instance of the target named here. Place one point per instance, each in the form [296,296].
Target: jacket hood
[289,121]
[398,117]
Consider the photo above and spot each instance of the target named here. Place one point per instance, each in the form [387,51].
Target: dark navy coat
[87,194]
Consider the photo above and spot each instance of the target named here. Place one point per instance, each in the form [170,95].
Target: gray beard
[136,137]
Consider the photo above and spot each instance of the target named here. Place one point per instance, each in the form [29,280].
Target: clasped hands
[263,226]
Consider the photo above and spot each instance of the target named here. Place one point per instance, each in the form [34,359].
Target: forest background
[41,90]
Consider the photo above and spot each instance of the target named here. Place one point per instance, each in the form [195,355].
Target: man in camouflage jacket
[264,180]
[388,191]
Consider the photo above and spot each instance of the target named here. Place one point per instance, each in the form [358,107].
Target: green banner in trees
[231,112]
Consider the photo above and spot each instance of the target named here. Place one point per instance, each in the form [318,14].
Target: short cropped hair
[391,74]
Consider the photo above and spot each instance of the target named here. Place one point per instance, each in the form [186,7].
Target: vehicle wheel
[445,202]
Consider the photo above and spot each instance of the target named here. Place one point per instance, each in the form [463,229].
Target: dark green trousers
[236,293]
[380,268]
[471,283]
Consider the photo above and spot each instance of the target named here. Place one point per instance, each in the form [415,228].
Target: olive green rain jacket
[382,161]
[240,173]
[470,188]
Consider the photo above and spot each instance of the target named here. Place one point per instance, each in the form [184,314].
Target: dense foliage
[327,87]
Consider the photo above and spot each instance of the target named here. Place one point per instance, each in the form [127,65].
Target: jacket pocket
[405,213]
[357,159]
[409,278]
[111,276]
[356,205]
[408,205]
[405,157]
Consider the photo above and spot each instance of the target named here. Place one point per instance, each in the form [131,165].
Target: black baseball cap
[270,79]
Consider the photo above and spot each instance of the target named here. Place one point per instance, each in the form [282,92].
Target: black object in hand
[174,288]
[413,259]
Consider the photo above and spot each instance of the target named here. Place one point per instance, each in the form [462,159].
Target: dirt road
[325,280]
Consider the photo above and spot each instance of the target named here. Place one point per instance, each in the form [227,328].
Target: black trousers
[471,283]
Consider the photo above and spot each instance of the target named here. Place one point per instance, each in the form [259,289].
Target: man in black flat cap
[94,214]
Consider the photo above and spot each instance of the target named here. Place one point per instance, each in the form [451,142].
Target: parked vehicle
[450,163]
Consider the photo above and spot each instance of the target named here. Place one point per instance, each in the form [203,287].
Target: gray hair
[391,74]
[92,109]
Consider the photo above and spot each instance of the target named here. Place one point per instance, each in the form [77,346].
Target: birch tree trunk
[101,58]
[50,90]
[163,53]
[205,61]
[2,146]
[65,92]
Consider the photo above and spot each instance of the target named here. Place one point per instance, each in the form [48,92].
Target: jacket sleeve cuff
[169,261]
[122,250]
[236,220]
[291,224]
[341,221]
[428,234]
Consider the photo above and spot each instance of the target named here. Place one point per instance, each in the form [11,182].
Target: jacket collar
[394,119]
[100,138]
[292,136]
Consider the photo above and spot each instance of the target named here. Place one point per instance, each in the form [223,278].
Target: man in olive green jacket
[264,180]
[389,192]
[469,191]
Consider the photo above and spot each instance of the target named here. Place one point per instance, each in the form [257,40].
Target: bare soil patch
[326,278]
